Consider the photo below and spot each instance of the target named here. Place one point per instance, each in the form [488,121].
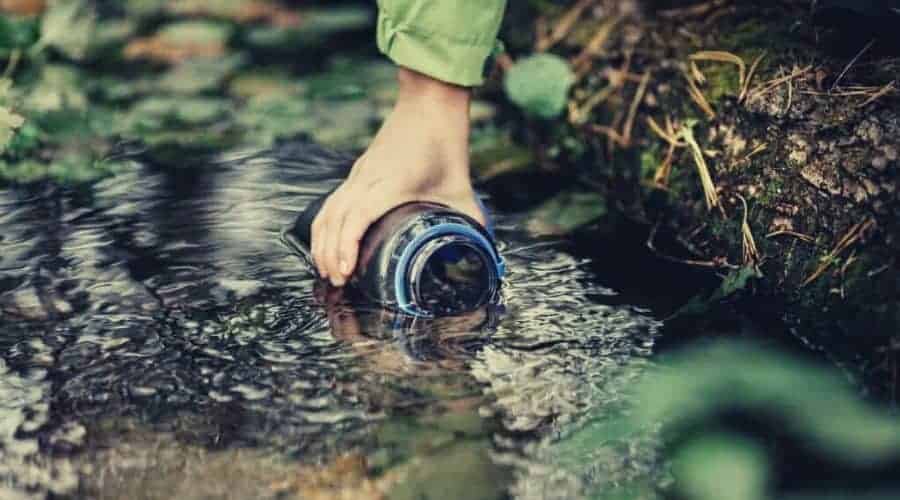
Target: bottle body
[420,258]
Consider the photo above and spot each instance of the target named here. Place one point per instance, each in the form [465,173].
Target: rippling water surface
[158,341]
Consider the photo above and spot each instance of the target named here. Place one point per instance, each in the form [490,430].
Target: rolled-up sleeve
[450,40]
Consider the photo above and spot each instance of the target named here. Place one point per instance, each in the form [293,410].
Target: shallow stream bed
[161,342]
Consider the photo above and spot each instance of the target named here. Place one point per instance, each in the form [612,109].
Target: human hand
[421,153]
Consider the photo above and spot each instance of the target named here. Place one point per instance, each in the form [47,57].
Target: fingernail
[345,267]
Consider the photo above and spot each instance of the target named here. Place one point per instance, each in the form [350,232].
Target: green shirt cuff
[449,41]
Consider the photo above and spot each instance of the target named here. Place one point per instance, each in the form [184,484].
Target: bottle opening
[451,276]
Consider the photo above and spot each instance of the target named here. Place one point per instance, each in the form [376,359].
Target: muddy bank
[756,143]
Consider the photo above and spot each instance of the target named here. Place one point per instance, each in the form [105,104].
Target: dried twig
[765,88]
[697,10]
[800,236]
[745,87]
[579,114]
[633,109]
[709,188]
[852,236]
[851,63]
[748,243]
[698,97]
[594,47]
[718,263]
[563,26]
[722,56]
[661,177]
[887,89]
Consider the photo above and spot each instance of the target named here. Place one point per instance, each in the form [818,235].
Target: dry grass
[698,97]
[709,187]
[563,26]
[583,62]
[853,235]
[670,136]
[748,243]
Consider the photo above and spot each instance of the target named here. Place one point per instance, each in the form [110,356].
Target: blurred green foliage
[540,84]
[697,403]
[175,75]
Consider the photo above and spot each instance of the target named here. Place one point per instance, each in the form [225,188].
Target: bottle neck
[451,274]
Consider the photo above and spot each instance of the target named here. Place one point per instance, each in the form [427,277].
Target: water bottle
[423,259]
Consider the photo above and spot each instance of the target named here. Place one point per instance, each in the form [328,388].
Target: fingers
[325,230]
[339,228]
[357,222]
[319,230]
[330,254]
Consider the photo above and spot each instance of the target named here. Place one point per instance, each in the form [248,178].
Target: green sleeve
[450,40]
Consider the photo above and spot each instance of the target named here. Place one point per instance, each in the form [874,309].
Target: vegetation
[82,79]
[741,138]
[761,138]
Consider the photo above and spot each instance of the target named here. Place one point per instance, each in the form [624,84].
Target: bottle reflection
[399,342]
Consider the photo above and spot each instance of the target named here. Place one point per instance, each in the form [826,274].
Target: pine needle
[725,57]
[887,89]
[709,188]
[745,87]
[564,25]
[698,97]
[852,236]
[594,47]
[664,171]
[635,105]
[748,243]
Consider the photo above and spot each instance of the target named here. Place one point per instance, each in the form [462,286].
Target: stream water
[159,341]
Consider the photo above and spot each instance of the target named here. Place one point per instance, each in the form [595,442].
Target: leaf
[181,41]
[721,467]
[67,26]
[17,33]
[59,88]
[540,84]
[199,75]
[316,26]
[703,382]
[734,282]
[566,212]
[156,113]
[9,122]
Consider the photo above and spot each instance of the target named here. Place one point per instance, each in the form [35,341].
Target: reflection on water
[159,341]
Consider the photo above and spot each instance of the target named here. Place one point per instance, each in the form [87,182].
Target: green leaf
[17,33]
[195,33]
[540,85]
[67,26]
[701,383]
[566,212]
[721,467]
[9,122]
[734,282]
[155,113]
[199,75]
[59,88]
[318,26]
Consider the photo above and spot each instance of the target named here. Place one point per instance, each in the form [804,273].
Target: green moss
[723,79]
[651,159]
